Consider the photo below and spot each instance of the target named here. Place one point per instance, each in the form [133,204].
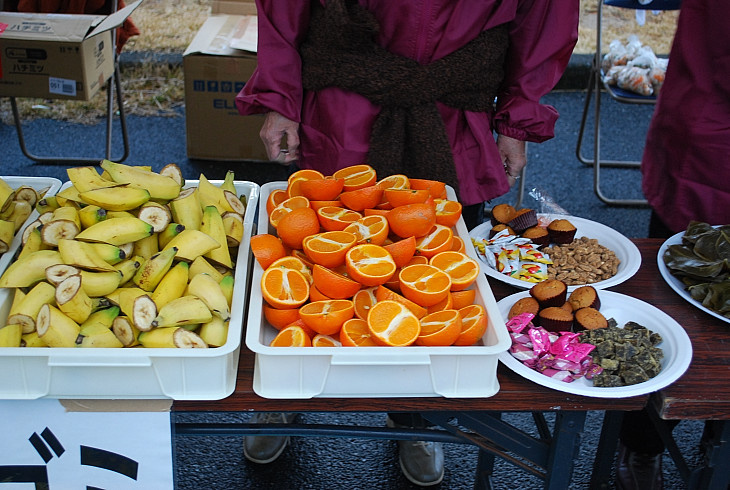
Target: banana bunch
[125,258]
[16,205]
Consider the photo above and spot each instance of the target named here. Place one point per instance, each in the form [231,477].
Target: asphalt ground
[344,463]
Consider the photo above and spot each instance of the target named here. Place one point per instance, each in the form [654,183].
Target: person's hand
[275,130]
[514,157]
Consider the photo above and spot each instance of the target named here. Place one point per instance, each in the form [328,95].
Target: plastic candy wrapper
[560,356]
[513,256]
[633,67]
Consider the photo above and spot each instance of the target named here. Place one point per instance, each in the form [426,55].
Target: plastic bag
[634,67]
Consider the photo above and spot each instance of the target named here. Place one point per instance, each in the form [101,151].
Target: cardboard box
[57,56]
[214,73]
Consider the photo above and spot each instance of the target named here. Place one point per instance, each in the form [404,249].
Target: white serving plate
[675,283]
[676,345]
[414,371]
[37,183]
[624,249]
[179,374]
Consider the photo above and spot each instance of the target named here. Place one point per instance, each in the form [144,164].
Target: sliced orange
[370,229]
[424,284]
[363,301]
[267,248]
[437,240]
[297,225]
[436,188]
[333,284]
[295,180]
[320,340]
[417,259]
[276,197]
[320,204]
[374,211]
[328,248]
[395,181]
[300,323]
[280,318]
[326,317]
[316,295]
[473,324]
[303,257]
[325,189]
[357,176]
[285,207]
[359,199]
[462,269]
[383,293]
[392,323]
[294,263]
[370,265]
[355,333]
[402,251]
[440,329]
[447,212]
[462,299]
[401,197]
[445,304]
[412,219]
[284,288]
[333,218]
[457,244]
[292,336]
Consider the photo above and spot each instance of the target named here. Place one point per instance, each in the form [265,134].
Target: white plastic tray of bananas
[149,235]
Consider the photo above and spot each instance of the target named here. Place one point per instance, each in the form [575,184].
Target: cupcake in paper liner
[551,292]
[538,235]
[561,231]
[502,214]
[555,319]
[523,219]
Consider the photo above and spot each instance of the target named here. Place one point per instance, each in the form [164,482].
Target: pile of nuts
[583,261]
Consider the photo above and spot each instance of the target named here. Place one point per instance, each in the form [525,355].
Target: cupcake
[524,305]
[556,319]
[502,213]
[523,219]
[588,319]
[584,296]
[561,231]
[550,292]
[500,227]
[538,235]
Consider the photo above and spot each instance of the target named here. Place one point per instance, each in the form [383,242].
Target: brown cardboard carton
[57,56]
[214,74]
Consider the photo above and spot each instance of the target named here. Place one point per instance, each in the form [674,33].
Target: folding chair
[595,83]
[114,87]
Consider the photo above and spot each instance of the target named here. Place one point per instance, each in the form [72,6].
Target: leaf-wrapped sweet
[681,260]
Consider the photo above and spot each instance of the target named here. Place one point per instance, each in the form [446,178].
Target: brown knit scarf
[408,135]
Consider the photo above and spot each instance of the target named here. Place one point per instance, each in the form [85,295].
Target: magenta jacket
[335,125]
[686,162]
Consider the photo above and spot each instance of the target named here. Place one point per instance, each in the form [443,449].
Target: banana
[215,332]
[34,225]
[55,328]
[212,195]
[68,196]
[226,285]
[69,213]
[33,243]
[122,198]
[152,271]
[7,194]
[125,331]
[172,337]
[72,300]
[227,184]
[32,340]
[128,268]
[48,203]
[170,231]
[172,286]
[87,179]
[99,284]
[18,295]
[233,226]
[55,274]
[30,269]
[160,187]
[28,307]
[202,265]
[185,310]
[173,171]
[96,330]
[64,224]
[11,335]
[116,231]
[212,225]
[111,254]
[137,305]
[128,248]
[119,214]
[156,214]
[186,209]
[82,255]
[5,213]
[21,212]
[91,215]
[191,244]
[7,232]
[146,247]
[28,194]
[209,290]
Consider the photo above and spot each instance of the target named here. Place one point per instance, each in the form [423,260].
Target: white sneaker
[422,462]
[265,449]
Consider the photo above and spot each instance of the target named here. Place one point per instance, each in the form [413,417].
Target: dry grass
[169,25]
